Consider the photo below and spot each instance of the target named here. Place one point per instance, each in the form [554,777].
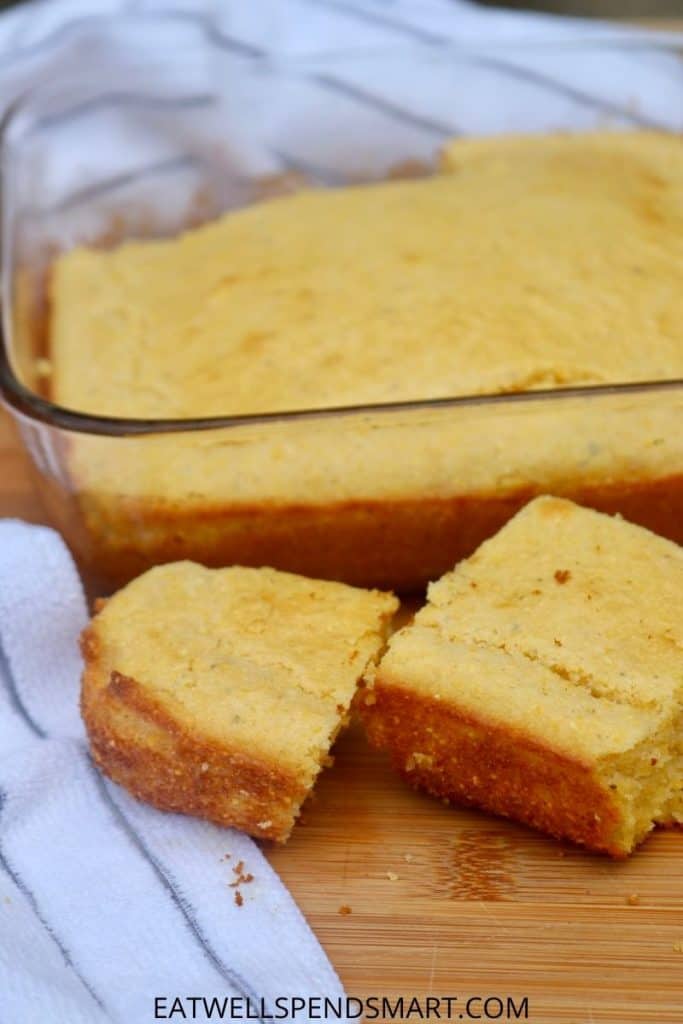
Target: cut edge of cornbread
[479,719]
[178,760]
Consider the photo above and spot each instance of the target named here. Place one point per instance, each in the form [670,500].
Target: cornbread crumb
[678,947]
[418,760]
[241,877]
[239,899]
[240,671]
[344,910]
[242,880]
[580,740]
[633,900]
[392,876]
[408,857]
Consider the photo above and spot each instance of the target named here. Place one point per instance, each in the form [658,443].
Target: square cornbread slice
[219,692]
[543,679]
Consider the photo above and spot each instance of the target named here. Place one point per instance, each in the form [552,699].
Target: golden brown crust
[139,745]
[469,760]
[399,544]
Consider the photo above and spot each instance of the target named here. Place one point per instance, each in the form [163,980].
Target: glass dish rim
[25,403]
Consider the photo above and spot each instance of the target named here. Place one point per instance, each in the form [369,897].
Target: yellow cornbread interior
[527,263]
[254,660]
[566,628]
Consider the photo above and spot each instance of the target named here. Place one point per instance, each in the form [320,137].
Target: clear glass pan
[148,126]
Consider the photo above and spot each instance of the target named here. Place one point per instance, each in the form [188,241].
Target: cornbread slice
[543,680]
[219,692]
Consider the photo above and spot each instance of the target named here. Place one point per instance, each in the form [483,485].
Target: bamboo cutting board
[448,902]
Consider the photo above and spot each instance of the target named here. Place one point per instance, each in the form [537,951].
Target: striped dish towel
[107,904]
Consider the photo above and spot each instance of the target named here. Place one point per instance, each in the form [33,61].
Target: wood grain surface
[452,902]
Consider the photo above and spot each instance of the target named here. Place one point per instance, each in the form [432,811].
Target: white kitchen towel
[173,97]
[106,903]
[185,99]
[394,76]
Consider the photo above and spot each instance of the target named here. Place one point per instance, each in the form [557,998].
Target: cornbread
[535,263]
[219,692]
[526,263]
[543,680]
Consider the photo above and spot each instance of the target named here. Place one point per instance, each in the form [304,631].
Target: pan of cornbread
[382,374]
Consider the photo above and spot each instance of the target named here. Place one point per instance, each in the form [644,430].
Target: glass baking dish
[126,142]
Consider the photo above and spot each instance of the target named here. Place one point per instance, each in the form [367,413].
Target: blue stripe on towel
[180,901]
[495,63]
[24,889]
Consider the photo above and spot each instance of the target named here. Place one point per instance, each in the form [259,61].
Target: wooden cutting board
[449,902]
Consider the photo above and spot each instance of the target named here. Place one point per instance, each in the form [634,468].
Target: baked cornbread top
[567,625]
[527,263]
[257,660]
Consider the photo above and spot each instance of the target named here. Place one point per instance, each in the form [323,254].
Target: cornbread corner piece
[219,692]
[543,679]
